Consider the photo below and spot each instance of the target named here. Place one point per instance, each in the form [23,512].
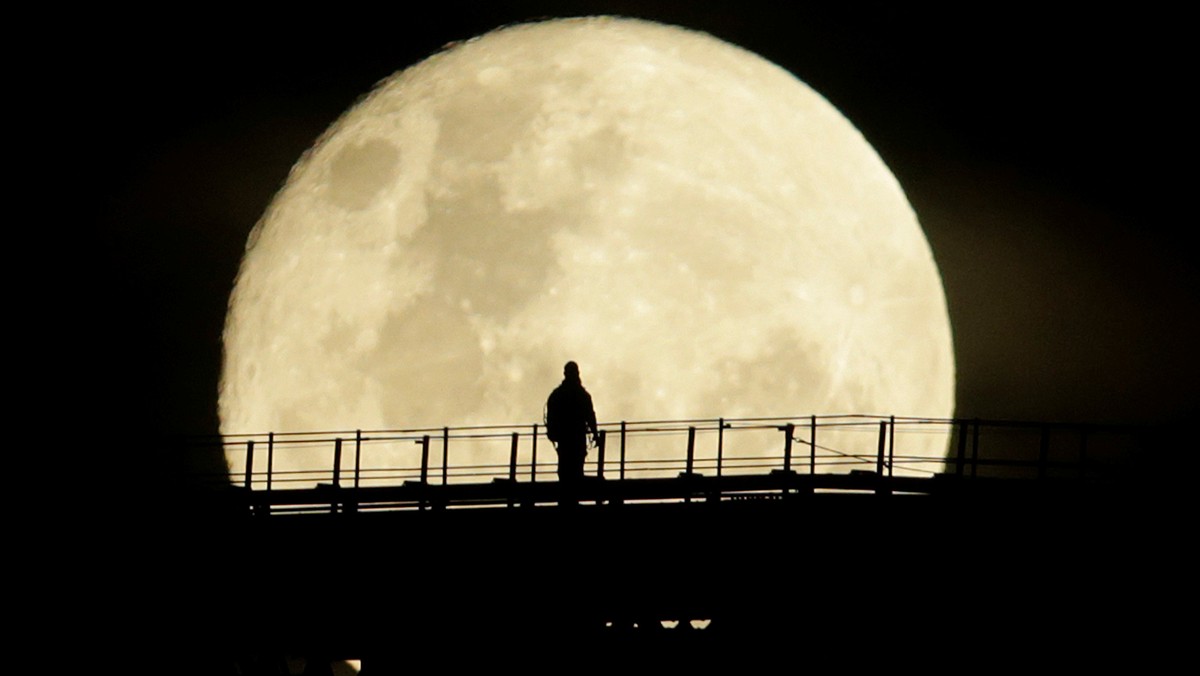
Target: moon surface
[702,232]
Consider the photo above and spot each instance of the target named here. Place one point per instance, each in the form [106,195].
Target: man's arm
[591,420]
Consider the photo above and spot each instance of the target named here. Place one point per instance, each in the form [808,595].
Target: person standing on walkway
[570,421]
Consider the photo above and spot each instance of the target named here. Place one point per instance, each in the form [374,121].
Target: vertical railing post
[883,433]
[1083,442]
[961,456]
[691,450]
[975,450]
[425,459]
[882,445]
[622,450]
[789,431]
[250,465]
[445,455]
[270,458]
[720,445]
[691,454]
[533,457]
[600,454]
[357,456]
[891,462]
[812,444]
[512,459]
[512,469]
[424,487]
[337,462]
[1043,452]
[337,473]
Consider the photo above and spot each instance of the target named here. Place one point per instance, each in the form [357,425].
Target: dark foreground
[1070,575]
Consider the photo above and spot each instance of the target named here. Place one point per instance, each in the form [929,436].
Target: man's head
[571,371]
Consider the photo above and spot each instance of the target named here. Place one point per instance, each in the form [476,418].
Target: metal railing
[864,445]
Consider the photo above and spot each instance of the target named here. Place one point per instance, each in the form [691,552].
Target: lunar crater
[360,172]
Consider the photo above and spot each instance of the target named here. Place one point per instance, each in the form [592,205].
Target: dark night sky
[1044,151]
[1041,151]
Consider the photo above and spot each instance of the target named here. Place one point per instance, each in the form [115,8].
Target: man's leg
[570,471]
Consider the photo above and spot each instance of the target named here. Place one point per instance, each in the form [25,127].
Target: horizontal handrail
[886,446]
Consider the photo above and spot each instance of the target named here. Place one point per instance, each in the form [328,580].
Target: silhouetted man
[569,420]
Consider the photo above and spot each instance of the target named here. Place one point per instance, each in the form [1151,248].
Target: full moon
[702,232]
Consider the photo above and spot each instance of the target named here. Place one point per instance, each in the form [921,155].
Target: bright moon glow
[703,233]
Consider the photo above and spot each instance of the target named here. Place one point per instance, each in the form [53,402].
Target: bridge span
[695,535]
[677,460]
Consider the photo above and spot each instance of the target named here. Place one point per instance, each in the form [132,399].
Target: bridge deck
[685,488]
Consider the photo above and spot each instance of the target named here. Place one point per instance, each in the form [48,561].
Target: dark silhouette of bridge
[743,459]
[688,539]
